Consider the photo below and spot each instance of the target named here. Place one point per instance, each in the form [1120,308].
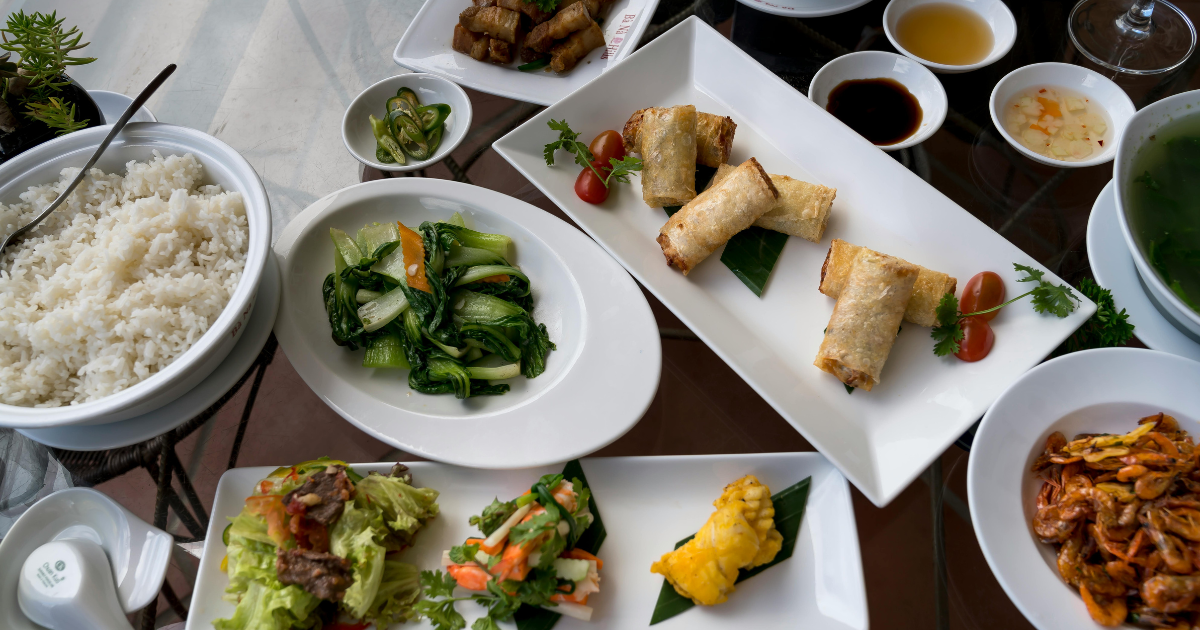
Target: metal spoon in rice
[116,128]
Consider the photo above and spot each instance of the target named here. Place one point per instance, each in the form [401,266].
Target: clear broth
[945,33]
[1164,206]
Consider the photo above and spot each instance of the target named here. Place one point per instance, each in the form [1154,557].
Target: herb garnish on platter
[1057,299]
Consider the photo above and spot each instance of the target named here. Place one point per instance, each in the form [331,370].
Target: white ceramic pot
[1141,128]
[222,165]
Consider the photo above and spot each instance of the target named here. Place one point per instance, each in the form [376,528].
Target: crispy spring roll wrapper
[669,156]
[711,219]
[714,137]
[568,52]
[927,292]
[802,209]
[497,22]
[866,319]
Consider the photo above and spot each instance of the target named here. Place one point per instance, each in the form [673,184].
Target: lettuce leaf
[265,608]
[404,507]
[249,560]
[398,591]
[251,527]
[354,536]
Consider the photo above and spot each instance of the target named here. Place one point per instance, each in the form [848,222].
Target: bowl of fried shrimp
[1085,491]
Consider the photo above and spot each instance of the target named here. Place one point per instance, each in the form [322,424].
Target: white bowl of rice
[138,286]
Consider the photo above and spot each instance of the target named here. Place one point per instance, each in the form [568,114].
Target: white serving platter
[1095,391]
[596,386]
[882,439]
[647,504]
[425,47]
[804,8]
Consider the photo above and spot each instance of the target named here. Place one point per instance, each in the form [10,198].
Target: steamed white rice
[117,283]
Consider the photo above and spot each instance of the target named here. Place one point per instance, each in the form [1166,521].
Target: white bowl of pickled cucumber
[407,122]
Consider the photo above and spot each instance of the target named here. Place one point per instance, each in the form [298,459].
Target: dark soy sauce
[880,110]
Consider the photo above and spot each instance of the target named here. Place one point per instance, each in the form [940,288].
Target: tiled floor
[701,407]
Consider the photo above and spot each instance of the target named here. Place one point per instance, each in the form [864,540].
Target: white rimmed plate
[101,437]
[139,553]
[1096,391]
[647,503]
[804,8]
[113,104]
[881,439]
[425,47]
[1113,266]
[596,386]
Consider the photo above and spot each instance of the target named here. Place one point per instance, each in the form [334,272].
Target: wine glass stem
[1136,22]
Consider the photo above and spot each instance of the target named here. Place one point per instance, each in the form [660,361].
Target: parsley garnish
[1057,299]
[532,528]
[462,554]
[546,5]
[618,170]
[535,590]
[1106,328]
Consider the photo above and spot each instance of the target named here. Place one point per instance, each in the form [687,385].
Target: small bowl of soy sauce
[889,99]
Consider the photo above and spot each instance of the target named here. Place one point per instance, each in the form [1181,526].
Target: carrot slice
[1049,106]
[579,554]
[413,247]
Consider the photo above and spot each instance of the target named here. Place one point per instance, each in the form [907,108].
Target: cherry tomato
[607,145]
[589,187]
[977,339]
[983,291]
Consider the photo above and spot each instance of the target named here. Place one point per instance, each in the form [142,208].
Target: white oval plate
[804,8]
[596,386]
[1096,391]
[1113,266]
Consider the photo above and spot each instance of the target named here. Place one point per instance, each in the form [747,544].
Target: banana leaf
[789,511]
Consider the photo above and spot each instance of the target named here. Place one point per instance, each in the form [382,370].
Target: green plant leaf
[789,504]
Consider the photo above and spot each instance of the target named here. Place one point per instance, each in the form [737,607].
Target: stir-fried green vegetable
[442,302]
[408,129]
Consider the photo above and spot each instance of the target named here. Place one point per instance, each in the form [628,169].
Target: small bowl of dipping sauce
[950,36]
[891,100]
[1060,114]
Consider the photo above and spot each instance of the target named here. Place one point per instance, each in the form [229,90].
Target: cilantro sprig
[1056,299]
[1107,328]
[618,170]
[501,600]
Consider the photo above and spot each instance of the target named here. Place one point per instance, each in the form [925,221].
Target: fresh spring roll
[669,156]
[714,137]
[707,221]
[927,292]
[802,209]
[866,318]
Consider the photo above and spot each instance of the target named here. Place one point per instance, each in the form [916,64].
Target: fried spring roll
[497,22]
[927,292]
[802,209]
[483,3]
[866,319]
[714,137]
[669,156]
[533,11]
[570,51]
[468,43]
[711,219]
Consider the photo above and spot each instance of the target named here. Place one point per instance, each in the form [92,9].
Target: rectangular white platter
[882,439]
[647,504]
[425,47]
